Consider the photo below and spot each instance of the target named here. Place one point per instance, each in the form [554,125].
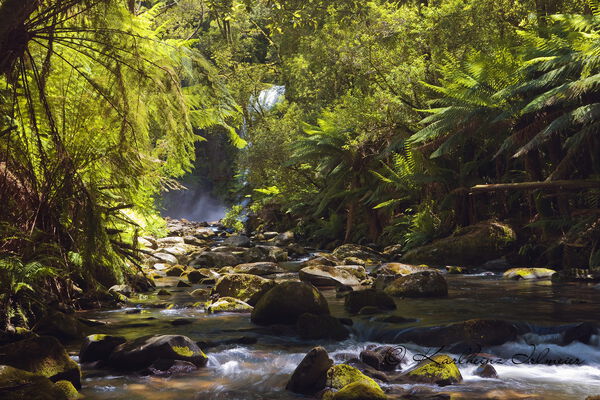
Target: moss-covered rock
[396,268]
[359,391]
[440,369]
[358,251]
[244,287]
[311,374]
[227,304]
[142,352]
[320,275]
[358,271]
[311,326]
[196,275]
[43,355]
[163,293]
[98,347]
[342,375]
[452,269]
[68,390]
[528,273]
[258,268]
[287,301]
[355,301]
[419,284]
[471,245]
[18,384]
[65,327]
[175,271]
[201,293]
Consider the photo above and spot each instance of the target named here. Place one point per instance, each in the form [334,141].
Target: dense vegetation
[395,115]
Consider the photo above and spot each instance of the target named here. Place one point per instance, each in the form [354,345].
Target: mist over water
[196,204]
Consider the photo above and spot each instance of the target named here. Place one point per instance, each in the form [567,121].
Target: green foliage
[234,219]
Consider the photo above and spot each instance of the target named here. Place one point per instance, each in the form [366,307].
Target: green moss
[341,375]
[440,369]
[360,391]
[227,304]
[97,337]
[528,273]
[67,389]
[183,351]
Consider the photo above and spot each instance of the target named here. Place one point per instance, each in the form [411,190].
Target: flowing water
[261,370]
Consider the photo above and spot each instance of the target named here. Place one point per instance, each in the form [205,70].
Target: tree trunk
[13,35]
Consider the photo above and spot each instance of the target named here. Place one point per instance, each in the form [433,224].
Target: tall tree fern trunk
[13,35]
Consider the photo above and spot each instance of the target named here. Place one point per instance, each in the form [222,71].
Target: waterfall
[266,100]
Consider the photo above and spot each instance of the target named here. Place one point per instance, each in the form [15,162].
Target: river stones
[237,241]
[42,355]
[164,258]
[440,369]
[311,326]
[486,371]
[382,358]
[125,290]
[196,275]
[258,268]
[356,300]
[98,347]
[227,304]
[283,238]
[320,275]
[170,241]
[419,284]
[23,385]
[215,259]
[175,271]
[341,375]
[358,251]
[284,303]
[581,333]
[357,391]
[528,273]
[245,287]
[142,352]
[310,375]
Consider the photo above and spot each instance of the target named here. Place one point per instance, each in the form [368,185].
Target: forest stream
[250,362]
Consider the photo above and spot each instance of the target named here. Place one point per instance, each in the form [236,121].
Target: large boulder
[42,355]
[98,347]
[142,352]
[215,259]
[440,370]
[358,271]
[284,238]
[311,326]
[401,269]
[17,384]
[311,374]
[227,304]
[65,327]
[320,275]
[472,334]
[342,375]
[287,301]
[471,245]
[356,300]
[244,287]
[164,258]
[237,241]
[383,358]
[419,284]
[359,391]
[358,251]
[265,253]
[258,268]
[528,273]
[196,275]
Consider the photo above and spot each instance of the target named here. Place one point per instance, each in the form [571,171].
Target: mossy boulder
[358,271]
[528,273]
[17,384]
[359,391]
[143,352]
[175,271]
[258,268]
[321,275]
[472,246]
[196,275]
[440,369]
[419,284]
[68,390]
[311,326]
[342,375]
[43,355]
[396,268]
[471,334]
[98,347]
[355,301]
[65,327]
[310,375]
[287,301]
[216,259]
[244,287]
[358,251]
[227,304]
[201,293]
